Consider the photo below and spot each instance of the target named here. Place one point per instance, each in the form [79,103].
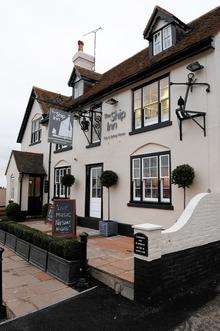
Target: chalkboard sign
[50,214]
[140,244]
[64,218]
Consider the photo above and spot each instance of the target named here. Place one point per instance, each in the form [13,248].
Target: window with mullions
[162,39]
[59,189]
[35,131]
[151,104]
[151,178]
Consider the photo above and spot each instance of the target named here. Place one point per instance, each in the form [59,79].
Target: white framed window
[136,177]
[35,131]
[162,39]
[78,88]
[12,188]
[59,189]
[167,37]
[137,108]
[151,178]
[152,102]
[157,42]
[164,178]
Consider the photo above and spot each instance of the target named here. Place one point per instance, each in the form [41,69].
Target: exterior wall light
[111,101]
[194,66]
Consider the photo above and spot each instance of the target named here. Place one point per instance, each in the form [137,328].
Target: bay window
[151,105]
[150,182]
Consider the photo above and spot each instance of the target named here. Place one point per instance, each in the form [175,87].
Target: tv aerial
[94,32]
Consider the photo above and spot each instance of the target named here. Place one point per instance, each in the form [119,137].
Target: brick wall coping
[147,227]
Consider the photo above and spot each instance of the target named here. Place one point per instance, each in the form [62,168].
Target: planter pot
[108,228]
[10,241]
[64,270]
[23,248]
[38,257]
[2,236]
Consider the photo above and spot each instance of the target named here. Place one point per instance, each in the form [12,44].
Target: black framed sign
[60,130]
[140,244]
[64,218]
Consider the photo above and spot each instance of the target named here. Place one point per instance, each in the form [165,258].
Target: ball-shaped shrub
[13,210]
[183,175]
[68,180]
[108,178]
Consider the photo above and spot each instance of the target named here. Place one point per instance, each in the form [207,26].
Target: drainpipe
[49,170]
[21,182]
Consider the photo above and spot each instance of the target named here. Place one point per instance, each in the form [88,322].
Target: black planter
[64,270]
[38,257]
[2,236]
[10,241]
[108,228]
[23,248]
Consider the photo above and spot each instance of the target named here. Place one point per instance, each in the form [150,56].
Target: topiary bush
[183,176]
[13,210]
[108,178]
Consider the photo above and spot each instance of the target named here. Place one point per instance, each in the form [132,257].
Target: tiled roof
[51,99]
[92,75]
[200,29]
[29,163]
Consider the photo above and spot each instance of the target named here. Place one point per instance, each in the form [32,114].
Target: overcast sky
[39,37]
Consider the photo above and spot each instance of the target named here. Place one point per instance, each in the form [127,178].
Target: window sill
[93,145]
[63,149]
[37,142]
[151,127]
[166,206]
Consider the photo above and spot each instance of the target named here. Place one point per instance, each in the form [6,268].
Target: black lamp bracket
[93,121]
[182,113]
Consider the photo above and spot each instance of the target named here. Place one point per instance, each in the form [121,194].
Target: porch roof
[29,163]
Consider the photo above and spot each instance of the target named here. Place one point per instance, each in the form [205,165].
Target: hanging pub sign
[60,129]
[64,218]
[140,244]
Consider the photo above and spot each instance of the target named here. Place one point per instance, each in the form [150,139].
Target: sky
[39,38]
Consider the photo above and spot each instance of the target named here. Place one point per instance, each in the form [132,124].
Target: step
[121,286]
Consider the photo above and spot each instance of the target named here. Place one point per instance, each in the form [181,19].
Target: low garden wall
[174,262]
[62,258]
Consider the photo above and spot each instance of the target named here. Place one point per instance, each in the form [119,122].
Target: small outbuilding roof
[28,163]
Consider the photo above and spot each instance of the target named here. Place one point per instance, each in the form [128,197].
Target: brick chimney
[82,59]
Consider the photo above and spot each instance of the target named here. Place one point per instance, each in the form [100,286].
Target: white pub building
[130,120]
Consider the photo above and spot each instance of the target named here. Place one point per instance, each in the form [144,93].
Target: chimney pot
[80,45]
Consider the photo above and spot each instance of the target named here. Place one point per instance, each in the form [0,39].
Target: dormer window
[162,39]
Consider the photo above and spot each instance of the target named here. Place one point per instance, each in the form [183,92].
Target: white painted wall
[12,171]
[198,225]
[201,153]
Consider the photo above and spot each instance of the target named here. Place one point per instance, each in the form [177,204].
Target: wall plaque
[64,218]
[140,244]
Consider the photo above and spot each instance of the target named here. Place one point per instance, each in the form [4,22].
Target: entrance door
[35,195]
[94,191]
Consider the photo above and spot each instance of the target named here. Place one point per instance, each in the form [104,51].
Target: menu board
[64,218]
[140,244]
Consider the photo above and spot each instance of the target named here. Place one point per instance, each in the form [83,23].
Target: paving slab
[27,289]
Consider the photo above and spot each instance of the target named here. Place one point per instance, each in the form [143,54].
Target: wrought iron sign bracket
[182,113]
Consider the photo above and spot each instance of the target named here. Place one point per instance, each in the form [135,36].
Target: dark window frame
[150,204]
[159,124]
[54,194]
[35,135]
[61,149]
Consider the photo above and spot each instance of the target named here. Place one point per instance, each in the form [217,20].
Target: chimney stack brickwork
[82,59]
